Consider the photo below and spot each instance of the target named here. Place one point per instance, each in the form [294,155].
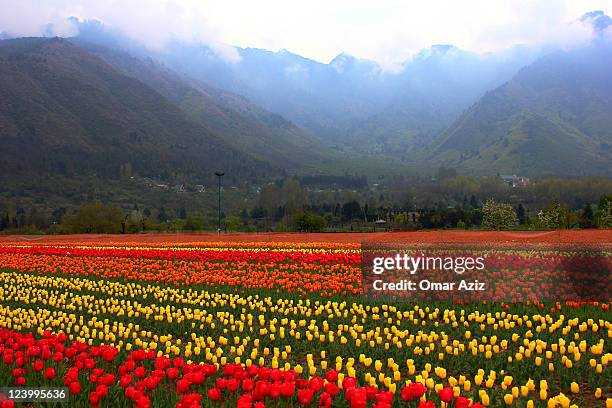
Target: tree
[295,196]
[604,211]
[473,201]
[244,216]
[4,222]
[587,217]
[94,218]
[520,213]
[233,223]
[307,222]
[498,216]
[351,210]
[161,215]
[194,223]
[555,216]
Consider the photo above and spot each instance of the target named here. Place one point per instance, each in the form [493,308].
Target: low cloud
[153,24]
[388,32]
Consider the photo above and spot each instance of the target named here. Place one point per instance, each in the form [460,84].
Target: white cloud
[387,31]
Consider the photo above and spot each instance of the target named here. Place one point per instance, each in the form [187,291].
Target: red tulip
[349,382]
[125,380]
[275,389]
[462,402]
[358,397]
[332,389]
[262,388]
[315,383]
[384,397]
[287,389]
[331,376]
[38,365]
[325,400]
[108,355]
[101,390]
[140,372]
[305,396]
[50,373]
[57,357]
[143,402]
[232,384]
[446,394]
[74,388]
[107,379]
[182,386]
[94,398]
[245,401]
[417,390]
[172,373]
[276,374]
[214,394]
[406,394]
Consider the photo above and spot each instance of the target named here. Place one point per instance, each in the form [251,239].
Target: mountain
[324,99]
[189,107]
[65,111]
[245,126]
[431,91]
[349,102]
[553,118]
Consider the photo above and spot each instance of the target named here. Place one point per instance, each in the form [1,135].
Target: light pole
[220,174]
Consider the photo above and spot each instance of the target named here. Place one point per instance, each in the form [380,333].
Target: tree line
[97,217]
[396,203]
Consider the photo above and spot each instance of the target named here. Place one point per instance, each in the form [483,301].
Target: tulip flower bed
[281,325]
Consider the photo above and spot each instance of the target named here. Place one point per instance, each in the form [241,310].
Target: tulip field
[284,324]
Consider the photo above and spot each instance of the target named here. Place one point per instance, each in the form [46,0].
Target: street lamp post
[220,174]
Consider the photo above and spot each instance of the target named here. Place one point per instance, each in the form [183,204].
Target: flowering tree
[605,212]
[498,216]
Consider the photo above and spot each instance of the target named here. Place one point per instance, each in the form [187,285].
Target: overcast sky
[386,31]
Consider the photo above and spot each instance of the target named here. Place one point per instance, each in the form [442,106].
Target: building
[514,180]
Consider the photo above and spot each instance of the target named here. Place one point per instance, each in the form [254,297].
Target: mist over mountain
[519,110]
[429,93]
[349,99]
[349,102]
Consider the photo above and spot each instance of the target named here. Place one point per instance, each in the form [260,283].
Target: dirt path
[571,236]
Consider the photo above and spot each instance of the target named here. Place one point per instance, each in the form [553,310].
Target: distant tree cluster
[447,202]
[95,218]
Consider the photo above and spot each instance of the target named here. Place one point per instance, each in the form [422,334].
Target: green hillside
[67,112]
[552,118]
[247,127]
